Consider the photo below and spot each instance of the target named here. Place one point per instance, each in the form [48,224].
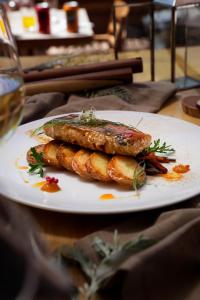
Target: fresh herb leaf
[111,257]
[76,255]
[37,167]
[139,176]
[160,148]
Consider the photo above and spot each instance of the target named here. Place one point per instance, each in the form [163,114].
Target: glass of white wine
[11,81]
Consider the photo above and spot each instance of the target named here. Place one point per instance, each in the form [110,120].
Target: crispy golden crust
[65,155]
[90,165]
[121,169]
[97,166]
[111,138]
[79,163]
[50,154]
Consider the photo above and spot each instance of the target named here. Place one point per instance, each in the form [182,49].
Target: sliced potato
[29,156]
[65,155]
[126,171]
[50,154]
[97,166]
[91,165]
[79,163]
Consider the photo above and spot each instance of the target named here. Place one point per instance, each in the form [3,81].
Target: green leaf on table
[111,256]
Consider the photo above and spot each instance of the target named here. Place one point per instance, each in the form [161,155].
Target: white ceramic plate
[80,196]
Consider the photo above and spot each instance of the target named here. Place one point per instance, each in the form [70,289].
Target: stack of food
[98,149]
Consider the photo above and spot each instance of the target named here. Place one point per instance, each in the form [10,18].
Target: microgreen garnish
[111,256]
[37,167]
[88,116]
[139,176]
[160,148]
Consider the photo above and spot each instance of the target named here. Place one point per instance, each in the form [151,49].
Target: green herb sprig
[160,148]
[139,176]
[36,168]
[111,257]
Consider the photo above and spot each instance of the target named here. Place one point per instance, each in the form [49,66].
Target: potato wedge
[79,163]
[97,166]
[50,154]
[29,157]
[65,155]
[126,171]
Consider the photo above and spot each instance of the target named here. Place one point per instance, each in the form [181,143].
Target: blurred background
[83,31]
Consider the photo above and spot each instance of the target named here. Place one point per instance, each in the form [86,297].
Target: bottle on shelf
[71,10]
[43,16]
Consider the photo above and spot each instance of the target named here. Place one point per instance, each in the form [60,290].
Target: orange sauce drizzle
[18,165]
[47,187]
[50,187]
[38,184]
[181,168]
[107,197]
[172,176]
[22,167]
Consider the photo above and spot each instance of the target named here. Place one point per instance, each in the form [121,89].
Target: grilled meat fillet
[98,134]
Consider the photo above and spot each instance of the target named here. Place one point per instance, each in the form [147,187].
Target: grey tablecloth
[147,97]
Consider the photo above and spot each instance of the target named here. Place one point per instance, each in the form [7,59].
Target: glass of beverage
[71,9]
[11,82]
[43,15]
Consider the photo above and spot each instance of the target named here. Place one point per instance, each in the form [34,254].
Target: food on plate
[181,168]
[126,171]
[101,150]
[89,132]
[50,185]
[79,163]
[50,154]
[31,154]
[65,154]
[91,165]
[97,166]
